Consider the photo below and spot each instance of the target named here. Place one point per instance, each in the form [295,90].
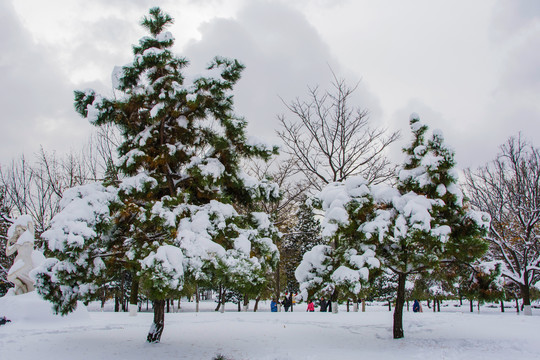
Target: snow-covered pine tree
[340,268]
[425,222]
[173,213]
[304,235]
[412,228]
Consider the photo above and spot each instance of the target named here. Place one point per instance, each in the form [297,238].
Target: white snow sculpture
[21,240]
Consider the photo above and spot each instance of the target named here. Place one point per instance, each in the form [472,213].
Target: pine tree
[340,268]
[173,215]
[414,227]
[305,234]
[426,222]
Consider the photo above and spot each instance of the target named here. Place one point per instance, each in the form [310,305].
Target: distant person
[323,305]
[310,306]
[291,301]
[273,306]
[417,307]
[286,304]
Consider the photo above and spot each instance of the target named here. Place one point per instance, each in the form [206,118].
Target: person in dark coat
[323,304]
[286,303]
[291,302]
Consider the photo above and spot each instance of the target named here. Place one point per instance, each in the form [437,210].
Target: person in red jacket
[310,306]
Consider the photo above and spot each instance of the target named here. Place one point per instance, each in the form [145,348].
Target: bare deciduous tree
[282,212]
[332,140]
[36,188]
[509,190]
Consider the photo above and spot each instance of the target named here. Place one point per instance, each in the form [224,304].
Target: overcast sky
[469,68]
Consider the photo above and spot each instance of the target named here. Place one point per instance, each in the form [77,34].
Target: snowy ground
[454,333]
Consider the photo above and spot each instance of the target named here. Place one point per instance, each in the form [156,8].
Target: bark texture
[154,335]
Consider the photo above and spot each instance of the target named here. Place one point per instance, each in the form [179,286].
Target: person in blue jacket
[273,306]
[416,306]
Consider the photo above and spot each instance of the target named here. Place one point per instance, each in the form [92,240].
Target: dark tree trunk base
[154,335]
[398,310]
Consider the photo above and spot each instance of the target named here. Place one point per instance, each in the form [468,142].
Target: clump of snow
[22,220]
[82,207]
[116,77]
[482,219]
[155,110]
[130,157]
[211,167]
[168,259]
[414,116]
[259,143]
[93,110]
[136,183]
[164,36]
[312,268]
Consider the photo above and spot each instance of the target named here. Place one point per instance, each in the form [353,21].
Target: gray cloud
[283,55]
[35,96]
[511,17]
[457,136]
[515,106]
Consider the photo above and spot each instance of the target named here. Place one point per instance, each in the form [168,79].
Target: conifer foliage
[304,235]
[173,216]
[414,227]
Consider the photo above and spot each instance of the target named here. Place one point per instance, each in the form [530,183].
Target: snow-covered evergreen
[303,236]
[173,217]
[410,228]
[339,269]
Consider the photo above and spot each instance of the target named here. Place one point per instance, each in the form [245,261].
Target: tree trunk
[197,299]
[398,311]
[389,305]
[438,305]
[363,305]
[246,303]
[154,335]
[256,307]
[116,303]
[348,301]
[277,295]
[220,296]
[168,306]
[407,305]
[334,302]
[517,305]
[122,292]
[502,305]
[434,305]
[471,304]
[222,309]
[134,296]
[525,294]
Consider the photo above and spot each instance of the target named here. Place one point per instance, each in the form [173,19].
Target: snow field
[454,333]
